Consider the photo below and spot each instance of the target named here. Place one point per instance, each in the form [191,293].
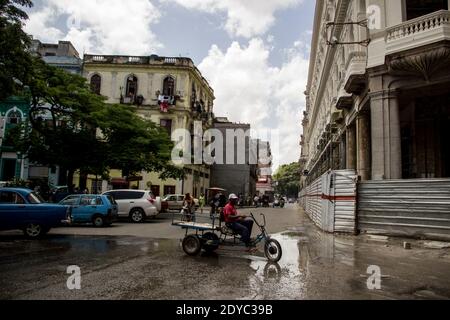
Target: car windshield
[35,198]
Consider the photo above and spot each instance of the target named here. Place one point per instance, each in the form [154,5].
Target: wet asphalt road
[146,261]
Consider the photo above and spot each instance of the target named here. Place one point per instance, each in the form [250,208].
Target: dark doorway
[425,136]
[418,8]
[9,169]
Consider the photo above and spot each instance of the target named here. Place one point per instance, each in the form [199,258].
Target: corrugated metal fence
[414,208]
[330,201]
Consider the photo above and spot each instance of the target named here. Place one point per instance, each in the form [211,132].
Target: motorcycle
[282,203]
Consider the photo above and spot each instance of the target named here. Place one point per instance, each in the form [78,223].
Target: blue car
[25,210]
[100,210]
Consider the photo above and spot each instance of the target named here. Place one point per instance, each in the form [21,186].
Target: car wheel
[34,230]
[98,221]
[137,215]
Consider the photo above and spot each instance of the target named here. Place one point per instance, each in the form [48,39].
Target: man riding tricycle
[232,230]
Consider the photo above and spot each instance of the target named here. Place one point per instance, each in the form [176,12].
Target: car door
[13,210]
[74,202]
[180,200]
[122,202]
[88,207]
[172,202]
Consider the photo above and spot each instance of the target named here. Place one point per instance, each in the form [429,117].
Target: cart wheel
[191,245]
[272,250]
[210,236]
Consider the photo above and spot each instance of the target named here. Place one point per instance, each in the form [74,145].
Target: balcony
[344,100]
[428,29]
[152,60]
[355,77]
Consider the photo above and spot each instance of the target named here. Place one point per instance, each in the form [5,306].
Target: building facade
[168,91]
[375,129]
[237,173]
[382,109]
[13,165]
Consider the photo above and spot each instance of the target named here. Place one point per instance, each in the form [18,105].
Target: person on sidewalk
[238,223]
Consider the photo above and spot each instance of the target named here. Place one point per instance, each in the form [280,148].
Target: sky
[254,53]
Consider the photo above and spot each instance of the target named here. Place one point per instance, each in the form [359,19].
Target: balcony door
[418,8]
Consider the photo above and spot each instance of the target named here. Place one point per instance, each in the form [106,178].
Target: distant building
[62,55]
[239,176]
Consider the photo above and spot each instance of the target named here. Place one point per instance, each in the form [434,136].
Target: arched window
[132,86]
[169,86]
[14,117]
[96,83]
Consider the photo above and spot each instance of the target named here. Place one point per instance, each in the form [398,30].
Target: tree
[288,179]
[14,44]
[134,143]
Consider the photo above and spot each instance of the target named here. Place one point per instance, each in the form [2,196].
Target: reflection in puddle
[279,280]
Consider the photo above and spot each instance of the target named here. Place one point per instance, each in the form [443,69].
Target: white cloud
[101,26]
[39,25]
[246,18]
[248,89]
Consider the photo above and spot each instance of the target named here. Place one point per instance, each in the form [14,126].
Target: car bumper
[151,212]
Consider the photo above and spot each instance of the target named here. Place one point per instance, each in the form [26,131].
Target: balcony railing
[418,32]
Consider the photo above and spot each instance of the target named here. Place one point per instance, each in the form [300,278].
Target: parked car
[25,210]
[175,201]
[135,204]
[100,210]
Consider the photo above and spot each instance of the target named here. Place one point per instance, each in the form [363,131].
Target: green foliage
[288,179]
[14,43]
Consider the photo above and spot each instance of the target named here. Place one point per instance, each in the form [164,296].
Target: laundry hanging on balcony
[165,102]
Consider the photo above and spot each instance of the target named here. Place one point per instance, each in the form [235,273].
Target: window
[73,200]
[417,8]
[14,117]
[96,83]
[180,198]
[7,197]
[131,88]
[194,96]
[88,201]
[131,195]
[155,190]
[166,124]
[35,198]
[169,189]
[169,86]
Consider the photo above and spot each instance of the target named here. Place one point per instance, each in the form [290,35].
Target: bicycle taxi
[209,232]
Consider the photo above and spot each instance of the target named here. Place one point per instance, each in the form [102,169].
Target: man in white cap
[238,223]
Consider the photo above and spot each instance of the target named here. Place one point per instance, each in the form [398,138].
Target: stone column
[363,145]
[351,147]
[386,144]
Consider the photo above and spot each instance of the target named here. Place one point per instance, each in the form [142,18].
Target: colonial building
[237,173]
[13,165]
[375,128]
[169,91]
[381,109]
